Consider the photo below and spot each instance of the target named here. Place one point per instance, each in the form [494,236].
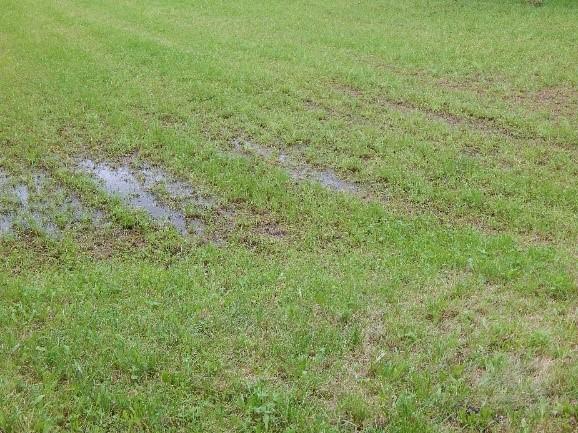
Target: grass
[442,300]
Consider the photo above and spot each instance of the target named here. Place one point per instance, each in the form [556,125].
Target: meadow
[288,216]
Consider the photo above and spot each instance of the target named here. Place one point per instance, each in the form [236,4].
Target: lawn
[288,216]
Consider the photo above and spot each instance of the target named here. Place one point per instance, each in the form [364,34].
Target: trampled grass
[386,240]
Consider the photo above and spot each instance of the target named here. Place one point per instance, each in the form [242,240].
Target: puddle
[244,146]
[155,177]
[299,171]
[77,212]
[135,188]
[37,205]
[23,215]
[42,222]
[6,222]
[326,178]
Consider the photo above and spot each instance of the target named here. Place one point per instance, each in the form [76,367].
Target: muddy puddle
[299,171]
[152,191]
[36,202]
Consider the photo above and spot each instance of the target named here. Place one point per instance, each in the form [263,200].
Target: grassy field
[385,216]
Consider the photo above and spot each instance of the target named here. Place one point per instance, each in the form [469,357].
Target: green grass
[446,301]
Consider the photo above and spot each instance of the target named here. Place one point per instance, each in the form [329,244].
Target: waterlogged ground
[299,171]
[137,193]
[288,216]
[33,202]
